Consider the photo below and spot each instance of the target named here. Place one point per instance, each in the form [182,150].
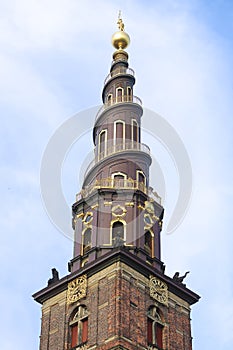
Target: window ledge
[82,346]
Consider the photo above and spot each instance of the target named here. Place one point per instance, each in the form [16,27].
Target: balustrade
[116,148]
[119,99]
[118,184]
[119,71]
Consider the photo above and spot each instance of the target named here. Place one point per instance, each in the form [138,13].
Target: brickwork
[123,312]
[117,302]
[53,323]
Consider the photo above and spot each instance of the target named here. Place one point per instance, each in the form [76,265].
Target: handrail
[117,184]
[116,148]
[119,99]
[126,146]
[119,71]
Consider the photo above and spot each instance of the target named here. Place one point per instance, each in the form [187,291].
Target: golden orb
[120,40]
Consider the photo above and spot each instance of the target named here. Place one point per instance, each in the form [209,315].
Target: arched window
[155,327]
[134,133]
[118,236]
[141,179]
[86,240]
[102,144]
[119,94]
[119,179]
[109,100]
[119,131]
[129,94]
[79,326]
[119,134]
[148,243]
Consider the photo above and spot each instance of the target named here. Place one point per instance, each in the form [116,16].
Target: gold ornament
[149,207]
[158,290]
[77,289]
[88,218]
[118,211]
[120,39]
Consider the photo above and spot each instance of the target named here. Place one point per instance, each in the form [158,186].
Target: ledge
[118,254]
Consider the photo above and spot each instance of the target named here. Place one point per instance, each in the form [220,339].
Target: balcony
[121,147]
[117,148]
[119,71]
[118,100]
[118,184]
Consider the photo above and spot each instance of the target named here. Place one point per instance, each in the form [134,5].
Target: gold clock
[158,290]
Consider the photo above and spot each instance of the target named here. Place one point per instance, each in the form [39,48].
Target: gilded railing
[119,99]
[119,71]
[118,147]
[119,184]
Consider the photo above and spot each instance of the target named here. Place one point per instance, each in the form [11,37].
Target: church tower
[117,295]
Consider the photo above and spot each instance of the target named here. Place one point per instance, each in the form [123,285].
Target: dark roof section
[118,254]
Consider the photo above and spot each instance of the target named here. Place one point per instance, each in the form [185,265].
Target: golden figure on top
[120,39]
[120,23]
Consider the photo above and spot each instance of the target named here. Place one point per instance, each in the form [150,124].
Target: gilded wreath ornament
[77,289]
[158,290]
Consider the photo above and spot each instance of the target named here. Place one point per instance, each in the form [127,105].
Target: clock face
[158,290]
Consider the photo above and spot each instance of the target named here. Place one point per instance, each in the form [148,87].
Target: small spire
[120,23]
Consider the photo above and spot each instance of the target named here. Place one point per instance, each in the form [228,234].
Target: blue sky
[53,60]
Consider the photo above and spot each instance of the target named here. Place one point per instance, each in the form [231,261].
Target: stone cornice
[121,254]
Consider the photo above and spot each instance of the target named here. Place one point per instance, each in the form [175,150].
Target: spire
[120,39]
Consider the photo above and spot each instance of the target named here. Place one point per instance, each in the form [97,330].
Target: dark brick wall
[117,301]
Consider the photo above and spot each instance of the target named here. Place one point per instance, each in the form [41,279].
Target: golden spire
[120,39]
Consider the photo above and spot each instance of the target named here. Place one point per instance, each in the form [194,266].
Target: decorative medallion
[88,218]
[158,290]
[77,289]
[119,211]
[149,221]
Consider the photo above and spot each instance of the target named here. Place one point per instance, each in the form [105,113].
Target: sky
[54,57]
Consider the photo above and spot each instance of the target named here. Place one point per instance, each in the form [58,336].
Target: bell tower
[117,295]
[116,207]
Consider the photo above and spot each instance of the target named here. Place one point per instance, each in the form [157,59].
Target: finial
[120,23]
[120,39]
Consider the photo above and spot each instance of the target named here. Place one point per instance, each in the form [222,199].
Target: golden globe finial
[120,39]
